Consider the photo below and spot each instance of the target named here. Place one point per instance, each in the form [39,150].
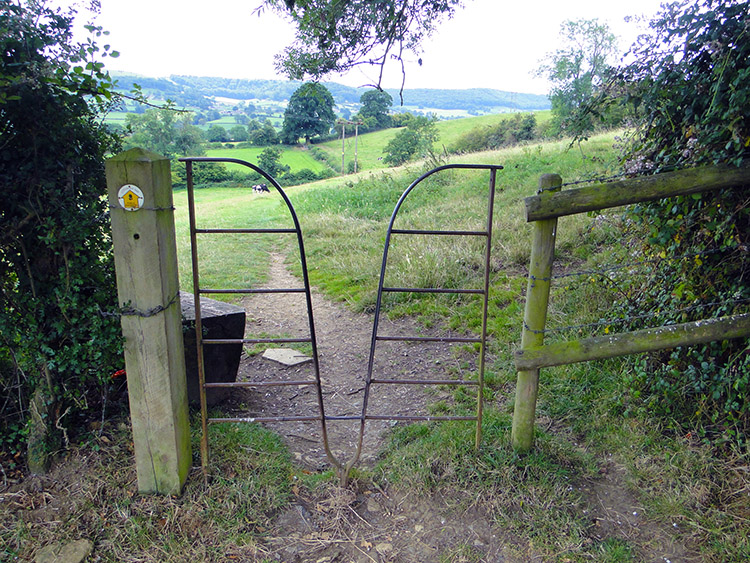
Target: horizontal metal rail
[267,419]
[255,340]
[425,381]
[428,232]
[250,291]
[431,290]
[258,383]
[417,418]
[428,339]
[244,231]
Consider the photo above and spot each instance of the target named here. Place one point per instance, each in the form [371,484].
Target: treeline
[195,88]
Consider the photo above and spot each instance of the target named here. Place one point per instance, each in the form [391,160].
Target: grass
[370,145]
[589,423]
[296,158]
[218,520]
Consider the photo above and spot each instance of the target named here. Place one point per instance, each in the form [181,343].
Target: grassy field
[587,421]
[592,433]
[295,157]
[370,145]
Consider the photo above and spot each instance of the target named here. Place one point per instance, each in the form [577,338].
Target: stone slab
[286,356]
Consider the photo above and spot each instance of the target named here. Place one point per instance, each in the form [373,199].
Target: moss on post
[535,317]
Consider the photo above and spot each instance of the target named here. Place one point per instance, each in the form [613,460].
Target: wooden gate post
[534,319]
[140,199]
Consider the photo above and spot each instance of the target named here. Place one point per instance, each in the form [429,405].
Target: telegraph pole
[344,123]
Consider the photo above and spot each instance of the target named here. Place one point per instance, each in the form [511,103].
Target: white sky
[488,44]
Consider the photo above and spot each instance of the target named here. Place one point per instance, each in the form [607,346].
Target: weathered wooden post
[140,199]
[534,319]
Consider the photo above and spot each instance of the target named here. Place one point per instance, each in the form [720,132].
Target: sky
[488,44]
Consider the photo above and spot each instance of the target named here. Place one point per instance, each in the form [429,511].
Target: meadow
[595,439]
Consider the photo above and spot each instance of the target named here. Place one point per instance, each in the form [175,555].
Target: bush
[688,80]
[58,347]
[506,132]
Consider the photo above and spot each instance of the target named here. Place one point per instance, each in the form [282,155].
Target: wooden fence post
[534,319]
[140,198]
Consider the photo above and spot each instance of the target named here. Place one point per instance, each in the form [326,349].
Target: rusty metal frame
[201,342]
[376,337]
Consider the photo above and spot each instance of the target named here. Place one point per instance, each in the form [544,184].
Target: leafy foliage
[504,133]
[577,70]
[375,106]
[414,141]
[165,131]
[56,271]
[337,36]
[689,81]
[309,113]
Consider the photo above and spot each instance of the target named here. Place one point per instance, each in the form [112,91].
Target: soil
[365,523]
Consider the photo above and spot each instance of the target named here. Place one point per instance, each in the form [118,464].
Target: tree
[414,141]
[269,161]
[58,348]
[376,104]
[165,131]
[689,83]
[264,135]
[216,134]
[238,133]
[578,69]
[308,114]
[333,37]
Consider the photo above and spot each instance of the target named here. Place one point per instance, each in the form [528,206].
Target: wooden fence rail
[544,209]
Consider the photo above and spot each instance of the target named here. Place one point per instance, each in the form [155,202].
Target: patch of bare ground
[343,340]
[362,523]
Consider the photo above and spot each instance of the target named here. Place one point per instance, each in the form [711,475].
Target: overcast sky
[488,44]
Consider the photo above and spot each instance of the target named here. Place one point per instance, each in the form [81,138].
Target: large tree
[56,271]
[334,36]
[577,69]
[308,114]
[376,104]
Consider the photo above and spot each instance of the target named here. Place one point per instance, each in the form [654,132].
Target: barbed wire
[623,320]
[605,179]
[602,272]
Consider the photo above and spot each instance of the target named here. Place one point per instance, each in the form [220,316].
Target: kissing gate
[140,199]
[342,467]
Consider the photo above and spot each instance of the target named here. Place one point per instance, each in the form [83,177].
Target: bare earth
[362,523]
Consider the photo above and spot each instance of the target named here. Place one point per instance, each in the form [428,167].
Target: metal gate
[201,342]
[481,340]
[341,469]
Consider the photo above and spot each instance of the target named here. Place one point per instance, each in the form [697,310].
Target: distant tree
[216,134]
[238,133]
[309,113]
[337,36]
[578,69]
[377,104]
[164,131]
[264,135]
[269,161]
[413,142]
[241,118]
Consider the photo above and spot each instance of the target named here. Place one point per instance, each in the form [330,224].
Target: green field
[370,145]
[296,158]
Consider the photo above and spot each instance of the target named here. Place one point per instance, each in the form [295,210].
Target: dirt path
[343,348]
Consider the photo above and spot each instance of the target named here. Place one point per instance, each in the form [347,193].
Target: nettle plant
[58,348]
[689,86]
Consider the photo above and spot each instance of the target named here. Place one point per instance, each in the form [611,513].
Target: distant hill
[196,91]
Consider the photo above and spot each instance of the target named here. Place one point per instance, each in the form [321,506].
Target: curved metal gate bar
[369,381]
[200,341]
